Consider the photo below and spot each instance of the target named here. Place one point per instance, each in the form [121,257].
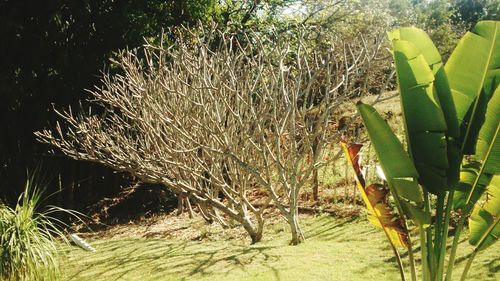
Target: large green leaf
[426,47]
[483,222]
[398,168]
[431,55]
[486,162]
[468,176]
[473,72]
[488,144]
[426,126]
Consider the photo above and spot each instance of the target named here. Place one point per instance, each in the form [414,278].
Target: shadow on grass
[323,229]
[158,259]
[492,267]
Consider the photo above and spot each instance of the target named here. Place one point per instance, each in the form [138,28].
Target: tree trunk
[70,191]
[219,219]
[255,233]
[354,193]
[205,213]
[180,204]
[315,186]
[60,197]
[347,182]
[90,183]
[297,236]
[293,221]
[189,207]
[260,227]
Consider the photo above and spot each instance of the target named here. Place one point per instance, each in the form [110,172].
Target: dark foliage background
[53,50]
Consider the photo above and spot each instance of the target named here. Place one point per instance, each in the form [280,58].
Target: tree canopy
[54,50]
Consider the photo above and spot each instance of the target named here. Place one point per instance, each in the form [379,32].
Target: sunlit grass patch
[334,250]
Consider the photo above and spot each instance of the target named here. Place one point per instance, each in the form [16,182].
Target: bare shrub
[216,116]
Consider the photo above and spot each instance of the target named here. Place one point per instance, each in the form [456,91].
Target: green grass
[334,250]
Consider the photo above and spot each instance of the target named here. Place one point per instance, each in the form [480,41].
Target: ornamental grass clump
[29,245]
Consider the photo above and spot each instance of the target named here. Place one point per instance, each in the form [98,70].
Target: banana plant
[451,117]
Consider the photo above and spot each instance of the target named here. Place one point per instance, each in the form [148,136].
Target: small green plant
[29,247]
[451,115]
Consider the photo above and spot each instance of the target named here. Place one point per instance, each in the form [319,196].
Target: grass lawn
[335,250]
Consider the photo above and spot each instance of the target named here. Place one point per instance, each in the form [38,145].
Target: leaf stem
[454,245]
[412,260]
[467,266]
[428,240]
[444,238]
[438,225]
[478,248]
[410,248]
[399,262]
[425,262]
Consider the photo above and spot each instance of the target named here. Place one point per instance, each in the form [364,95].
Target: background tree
[469,12]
